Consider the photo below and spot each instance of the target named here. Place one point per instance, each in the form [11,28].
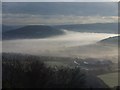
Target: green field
[110,79]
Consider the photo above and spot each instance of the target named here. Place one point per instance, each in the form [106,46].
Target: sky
[54,13]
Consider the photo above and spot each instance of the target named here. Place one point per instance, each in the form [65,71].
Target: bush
[27,71]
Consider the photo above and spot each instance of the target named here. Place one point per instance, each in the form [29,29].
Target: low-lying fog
[54,46]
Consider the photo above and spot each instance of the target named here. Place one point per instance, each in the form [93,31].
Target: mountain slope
[32,32]
[6,28]
[110,40]
[95,27]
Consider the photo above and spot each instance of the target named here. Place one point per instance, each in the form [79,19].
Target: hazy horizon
[52,13]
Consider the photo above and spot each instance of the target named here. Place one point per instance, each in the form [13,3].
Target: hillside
[6,28]
[110,40]
[111,79]
[32,32]
[95,27]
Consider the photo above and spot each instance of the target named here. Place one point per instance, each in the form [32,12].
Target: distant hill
[32,32]
[6,28]
[95,27]
[110,40]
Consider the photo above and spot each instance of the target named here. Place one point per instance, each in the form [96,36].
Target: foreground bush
[25,71]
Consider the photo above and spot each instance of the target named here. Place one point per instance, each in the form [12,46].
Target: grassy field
[110,79]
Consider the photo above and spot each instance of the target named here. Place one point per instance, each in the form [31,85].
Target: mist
[63,45]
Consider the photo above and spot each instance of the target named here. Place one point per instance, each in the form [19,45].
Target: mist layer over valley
[70,44]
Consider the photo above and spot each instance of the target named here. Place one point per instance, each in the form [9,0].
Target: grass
[110,79]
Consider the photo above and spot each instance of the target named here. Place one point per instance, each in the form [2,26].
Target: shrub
[27,71]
